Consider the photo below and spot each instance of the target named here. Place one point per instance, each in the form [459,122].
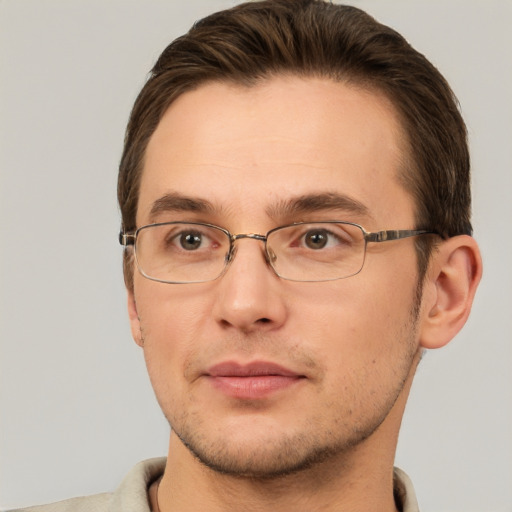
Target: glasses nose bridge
[254,236]
[240,236]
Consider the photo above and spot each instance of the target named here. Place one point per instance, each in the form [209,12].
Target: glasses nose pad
[230,254]
[271,255]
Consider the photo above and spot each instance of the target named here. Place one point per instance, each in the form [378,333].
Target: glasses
[193,252]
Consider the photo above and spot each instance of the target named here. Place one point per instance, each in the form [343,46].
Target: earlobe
[134,319]
[454,273]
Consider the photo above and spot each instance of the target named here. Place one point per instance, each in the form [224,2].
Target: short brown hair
[257,40]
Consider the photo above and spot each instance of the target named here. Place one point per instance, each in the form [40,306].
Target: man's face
[258,375]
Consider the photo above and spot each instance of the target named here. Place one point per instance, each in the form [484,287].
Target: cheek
[171,324]
[356,325]
[169,312]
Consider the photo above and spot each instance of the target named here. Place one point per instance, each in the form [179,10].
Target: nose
[250,296]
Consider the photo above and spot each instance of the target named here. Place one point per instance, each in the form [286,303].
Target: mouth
[252,381]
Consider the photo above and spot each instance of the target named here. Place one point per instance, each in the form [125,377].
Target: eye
[322,238]
[190,240]
[316,239]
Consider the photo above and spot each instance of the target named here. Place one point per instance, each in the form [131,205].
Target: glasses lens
[181,253]
[317,251]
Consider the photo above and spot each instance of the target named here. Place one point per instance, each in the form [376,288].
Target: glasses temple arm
[395,234]
[126,239]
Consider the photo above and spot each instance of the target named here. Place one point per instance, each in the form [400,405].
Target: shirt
[132,494]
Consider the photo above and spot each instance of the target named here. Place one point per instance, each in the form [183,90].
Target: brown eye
[191,241]
[316,239]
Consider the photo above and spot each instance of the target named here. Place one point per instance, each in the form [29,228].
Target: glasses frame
[128,239]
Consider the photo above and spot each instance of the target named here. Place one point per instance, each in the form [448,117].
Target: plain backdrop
[76,407]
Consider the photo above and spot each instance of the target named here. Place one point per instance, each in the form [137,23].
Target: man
[295,202]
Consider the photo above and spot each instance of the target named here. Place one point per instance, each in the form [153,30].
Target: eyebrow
[310,203]
[175,202]
[304,204]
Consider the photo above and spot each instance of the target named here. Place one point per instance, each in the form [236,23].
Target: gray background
[76,407]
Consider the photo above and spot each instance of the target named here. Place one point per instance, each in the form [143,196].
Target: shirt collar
[132,494]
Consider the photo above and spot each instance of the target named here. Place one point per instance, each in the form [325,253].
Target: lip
[255,380]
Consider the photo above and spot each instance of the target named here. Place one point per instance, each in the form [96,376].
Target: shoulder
[132,493]
[97,503]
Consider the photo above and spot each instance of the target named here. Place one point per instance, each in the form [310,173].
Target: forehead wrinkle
[310,203]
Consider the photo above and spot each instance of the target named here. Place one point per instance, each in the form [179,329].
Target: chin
[269,456]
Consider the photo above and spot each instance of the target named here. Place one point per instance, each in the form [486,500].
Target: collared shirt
[132,494]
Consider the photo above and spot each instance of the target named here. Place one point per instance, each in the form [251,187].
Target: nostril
[264,320]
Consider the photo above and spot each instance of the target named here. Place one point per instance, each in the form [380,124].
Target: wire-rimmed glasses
[194,252]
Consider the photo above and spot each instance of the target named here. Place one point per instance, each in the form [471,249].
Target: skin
[327,441]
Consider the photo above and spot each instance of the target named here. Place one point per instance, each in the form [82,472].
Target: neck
[340,483]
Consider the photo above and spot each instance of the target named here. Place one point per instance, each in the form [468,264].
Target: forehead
[247,149]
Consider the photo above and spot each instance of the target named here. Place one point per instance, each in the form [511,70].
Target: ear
[450,285]
[134,319]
